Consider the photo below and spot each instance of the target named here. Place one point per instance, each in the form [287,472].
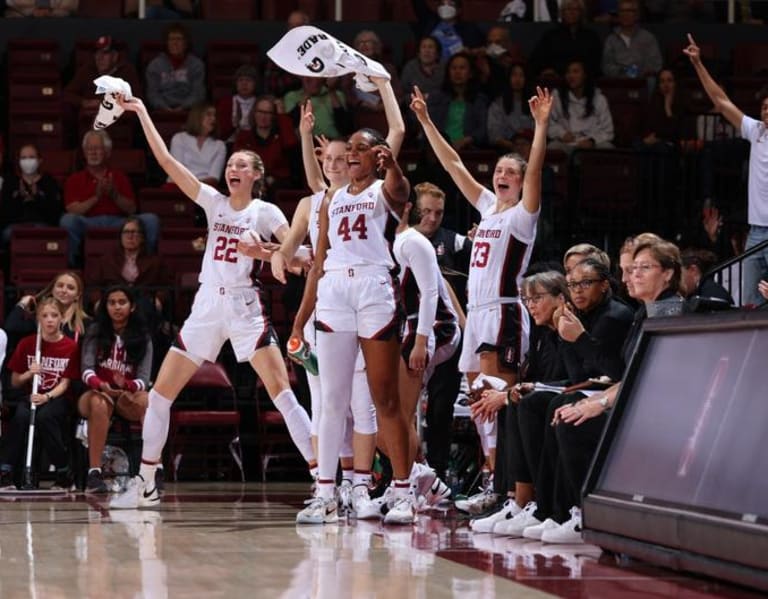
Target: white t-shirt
[756,134]
[202,162]
[501,250]
[357,230]
[223,265]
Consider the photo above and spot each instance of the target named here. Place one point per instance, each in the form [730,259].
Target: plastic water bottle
[300,351]
[633,71]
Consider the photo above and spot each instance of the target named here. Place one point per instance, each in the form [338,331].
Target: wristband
[509,396]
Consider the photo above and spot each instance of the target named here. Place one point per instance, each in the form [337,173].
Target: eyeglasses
[533,299]
[269,112]
[129,232]
[583,285]
[643,268]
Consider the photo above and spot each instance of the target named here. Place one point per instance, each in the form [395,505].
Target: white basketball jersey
[358,229]
[223,265]
[422,288]
[315,201]
[501,250]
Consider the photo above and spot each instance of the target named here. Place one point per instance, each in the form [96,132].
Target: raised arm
[395,123]
[312,170]
[540,105]
[309,299]
[396,187]
[447,156]
[178,173]
[281,259]
[716,93]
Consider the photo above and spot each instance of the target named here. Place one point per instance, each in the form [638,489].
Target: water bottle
[633,71]
[452,480]
[300,351]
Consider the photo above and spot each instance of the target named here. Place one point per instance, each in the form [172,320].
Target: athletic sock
[155,431]
[297,421]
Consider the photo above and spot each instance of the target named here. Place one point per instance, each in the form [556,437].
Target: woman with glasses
[545,294]
[496,333]
[147,274]
[592,332]
[656,276]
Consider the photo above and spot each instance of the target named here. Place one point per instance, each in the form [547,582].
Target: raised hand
[306,119]
[692,50]
[384,158]
[541,105]
[132,105]
[419,104]
[322,145]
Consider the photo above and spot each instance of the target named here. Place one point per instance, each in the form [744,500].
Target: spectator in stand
[581,117]
[116,367]
[568,41]
[494,60]
[630,50]
[176,77]
[696,263]
[509,114]
[459,110]
[665,124]
[29,198]
[79,92]
[99,196]
[234,112]
[57,367]
[277,81]
[273,138]
[197,148]
[446,25]
[332,118]
[130,264]
[34,8]
[368,43]
[426,70]
[756,132]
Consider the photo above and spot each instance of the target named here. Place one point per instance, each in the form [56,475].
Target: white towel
[109,109]
[311,52]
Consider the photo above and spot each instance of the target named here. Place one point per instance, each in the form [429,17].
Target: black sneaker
[95,483]
[64,481]
[160,479]
[6,480]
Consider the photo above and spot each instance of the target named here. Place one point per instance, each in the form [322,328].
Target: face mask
[29,165]
[446,11]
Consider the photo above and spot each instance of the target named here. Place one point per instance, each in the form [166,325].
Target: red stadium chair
[174,209]
[34,92]
[627,100]
[357,10]
[98,243]
[37,254]
[100,9]
[288,199]
[276,10]
[483,10]
[228,10]
[205,424]
[750,59]
[43,127]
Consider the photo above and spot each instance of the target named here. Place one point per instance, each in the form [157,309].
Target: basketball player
[496,333]
[227,305]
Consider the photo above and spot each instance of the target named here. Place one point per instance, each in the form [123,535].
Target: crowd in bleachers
[94,201]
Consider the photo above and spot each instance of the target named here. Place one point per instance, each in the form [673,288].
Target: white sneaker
[478,503]
[345,495]
[137,494]
[508,510]
[362,506]
[319,511]
[514,526]
[402,512]
[427,487]
[535,531]
[567,533]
